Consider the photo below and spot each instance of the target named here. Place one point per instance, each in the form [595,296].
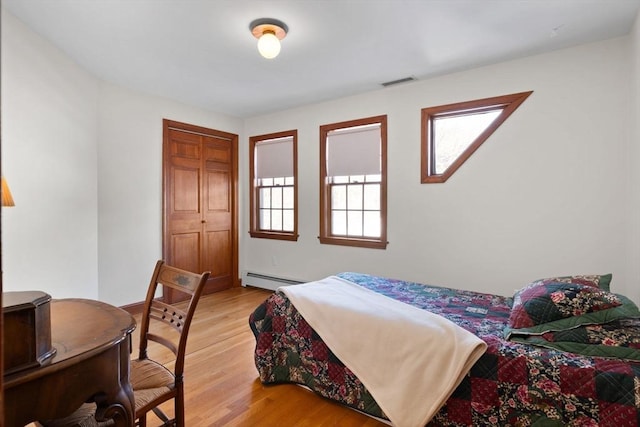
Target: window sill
[274,235]
[346,241]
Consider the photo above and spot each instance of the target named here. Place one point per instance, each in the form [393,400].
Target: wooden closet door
[217,254]
[200,214]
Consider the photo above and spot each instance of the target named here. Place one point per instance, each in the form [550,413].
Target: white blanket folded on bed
[409,359]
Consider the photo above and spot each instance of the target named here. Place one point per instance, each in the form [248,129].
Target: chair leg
[142,420]
[179,404]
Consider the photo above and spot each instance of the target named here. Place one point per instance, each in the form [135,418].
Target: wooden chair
[167,325]
[152,383]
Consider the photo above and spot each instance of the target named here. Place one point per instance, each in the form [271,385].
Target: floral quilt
[513,383]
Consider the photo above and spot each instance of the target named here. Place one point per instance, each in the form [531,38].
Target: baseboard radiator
[266,281]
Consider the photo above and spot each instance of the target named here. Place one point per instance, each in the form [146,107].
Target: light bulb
[269,45]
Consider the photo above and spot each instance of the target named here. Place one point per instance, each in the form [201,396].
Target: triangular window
[451,133]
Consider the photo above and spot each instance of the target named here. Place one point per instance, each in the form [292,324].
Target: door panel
[200,213]
[219,261]
[185,191]
[218,186]
[217,152]
[183,245]
[184,145]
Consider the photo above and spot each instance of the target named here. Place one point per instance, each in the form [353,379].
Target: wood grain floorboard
[222,387]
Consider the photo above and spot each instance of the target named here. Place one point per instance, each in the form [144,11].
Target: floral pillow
[602,281]
[619,339]
[619,333]
[546,301]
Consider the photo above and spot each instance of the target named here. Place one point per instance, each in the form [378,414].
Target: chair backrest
[158,315]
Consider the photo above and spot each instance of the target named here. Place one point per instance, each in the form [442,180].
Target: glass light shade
[269,45]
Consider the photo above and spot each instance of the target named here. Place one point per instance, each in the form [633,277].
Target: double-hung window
[353,183]
[273,178]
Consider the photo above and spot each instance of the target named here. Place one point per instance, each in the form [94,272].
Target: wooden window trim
[510,104]
[254,205]
[325,236]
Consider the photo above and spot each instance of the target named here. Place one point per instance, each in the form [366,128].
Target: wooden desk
[93,346]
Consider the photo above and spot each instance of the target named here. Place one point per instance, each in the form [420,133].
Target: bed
[562,351]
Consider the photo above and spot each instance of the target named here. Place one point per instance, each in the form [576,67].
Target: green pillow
[547,301]
[619,339]
[626,310]
[602,281]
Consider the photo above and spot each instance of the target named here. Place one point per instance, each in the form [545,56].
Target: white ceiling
[201,52]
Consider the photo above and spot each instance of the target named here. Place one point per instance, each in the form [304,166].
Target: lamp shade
[7,200]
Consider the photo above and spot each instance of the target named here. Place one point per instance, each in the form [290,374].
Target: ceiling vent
[397,82]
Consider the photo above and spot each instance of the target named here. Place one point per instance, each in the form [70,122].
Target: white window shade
[354,151]
[274,158]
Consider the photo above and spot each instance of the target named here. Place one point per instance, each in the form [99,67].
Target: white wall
[130,185]
[84,162]
[633,258]
[49,143]
[547,194]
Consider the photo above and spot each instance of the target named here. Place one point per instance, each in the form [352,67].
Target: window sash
[353,212]
[276,205]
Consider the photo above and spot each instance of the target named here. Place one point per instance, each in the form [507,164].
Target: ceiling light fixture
[269,32]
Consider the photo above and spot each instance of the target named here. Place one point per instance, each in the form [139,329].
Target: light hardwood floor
[221,381]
